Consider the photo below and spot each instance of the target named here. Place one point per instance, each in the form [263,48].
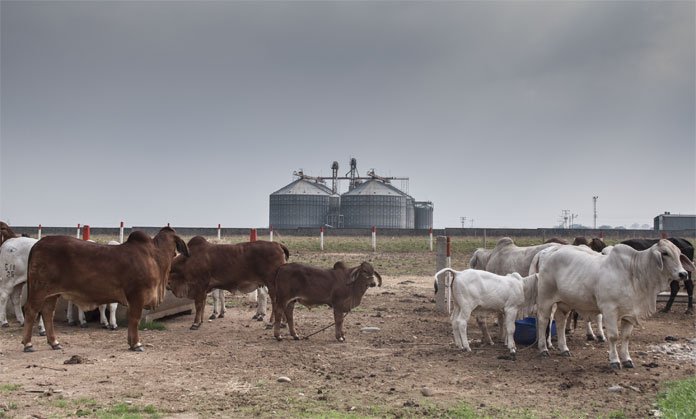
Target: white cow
[106,324]
[14,260]
[622,286]
[476,290]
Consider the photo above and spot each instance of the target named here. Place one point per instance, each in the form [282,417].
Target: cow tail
[286,251]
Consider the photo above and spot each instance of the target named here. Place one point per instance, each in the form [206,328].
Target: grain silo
[424,215]
[377,203]
[302,203]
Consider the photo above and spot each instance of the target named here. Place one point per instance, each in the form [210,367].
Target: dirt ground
[230,367]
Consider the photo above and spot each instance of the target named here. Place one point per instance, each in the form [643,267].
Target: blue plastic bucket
[525,331]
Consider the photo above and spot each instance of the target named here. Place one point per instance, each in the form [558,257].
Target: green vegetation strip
[679,399]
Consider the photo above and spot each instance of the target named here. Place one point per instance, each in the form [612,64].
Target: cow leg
[543,315]
[600,328]
[689,285]
[277,316]
[135,311]
[200,311]
[216,301]
[16,298]
[289,309]
[112,316]
[81,317]
[501,326]
[626,330]
[673,290]
[510,316]
[485,336]
[30,317]
[561,318]
[71,314]
[47,313]
[338,320]
[4,297]
[102,316]
[611,324]
[262,303]
[42,328]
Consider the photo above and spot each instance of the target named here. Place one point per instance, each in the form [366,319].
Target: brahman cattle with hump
[240,267]
[622,286]
[134,274]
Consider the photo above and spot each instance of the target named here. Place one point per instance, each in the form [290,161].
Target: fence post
[374,238]
[484,238]
[321,238]
[431,239]
[443,260]
[219,233]
[120,233]
[77,235]
[85,232]
[39,233]
[270,233]
[252,235]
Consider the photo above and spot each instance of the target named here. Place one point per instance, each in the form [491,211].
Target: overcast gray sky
[192,113]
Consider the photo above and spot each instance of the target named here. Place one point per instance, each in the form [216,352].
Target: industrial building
[669,221]
[370,201]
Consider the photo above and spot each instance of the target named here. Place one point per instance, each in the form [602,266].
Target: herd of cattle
[614,285]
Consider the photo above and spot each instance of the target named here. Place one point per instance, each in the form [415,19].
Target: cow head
[597,244]
[177,282]
[671,261]
[366,274]
[6,232]
[167,238]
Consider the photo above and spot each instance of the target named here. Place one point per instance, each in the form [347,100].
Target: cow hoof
[73,323]
[615,365]
[627,364]
[195,326]
[513,356]
[601,339]
[591,338]
[113,327]
[212,317]
[296,337]
[544,354]
[105,326]
[688,311]
[665,310]
[42,333]
[56,346]
[29,348]
[5,325]
[138,348]
[565,354]
[83,325]
[222,315]
[279,338]
[341,339]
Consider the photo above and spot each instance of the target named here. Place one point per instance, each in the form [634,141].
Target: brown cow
[6,232]
[341,288]
[595,243]
[240,267]
[133,274]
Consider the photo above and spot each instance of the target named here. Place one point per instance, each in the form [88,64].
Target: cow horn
[181,246]
[379,283]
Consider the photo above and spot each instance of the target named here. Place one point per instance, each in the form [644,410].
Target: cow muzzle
[683,275]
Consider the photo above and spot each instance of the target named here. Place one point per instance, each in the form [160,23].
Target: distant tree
[579,226]
[635,226]
[619,228]
[605,227]
[646,227]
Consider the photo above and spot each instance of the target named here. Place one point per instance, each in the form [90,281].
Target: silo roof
[303,187]
[375,187]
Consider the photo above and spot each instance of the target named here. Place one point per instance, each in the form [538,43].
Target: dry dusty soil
[230,368]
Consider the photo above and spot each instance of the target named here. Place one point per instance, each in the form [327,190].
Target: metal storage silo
[424,215]
[375,203]
[302,203]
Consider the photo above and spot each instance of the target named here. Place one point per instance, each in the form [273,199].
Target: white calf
[485,291]
[14,259]
[106,324]
[259,296]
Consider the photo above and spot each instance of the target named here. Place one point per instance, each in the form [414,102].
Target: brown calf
[341,288]
[240,267]
[134,274]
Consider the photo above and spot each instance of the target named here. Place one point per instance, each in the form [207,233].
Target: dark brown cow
[341,288]
[240,267]
[556,240]
[133,274]
[595,243]
[6,232]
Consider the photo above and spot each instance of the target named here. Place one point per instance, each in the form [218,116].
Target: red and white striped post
[374,238]
[85,232]
[77,235]
[219,232]
[252,235]
[270,233]
[663,235]
[431,238]
[321,238]
[120,233]
[39,233]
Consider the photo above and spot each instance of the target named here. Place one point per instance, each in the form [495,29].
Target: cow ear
[181,247]
[354,275]
[686,263]
[379,284]
[658,257]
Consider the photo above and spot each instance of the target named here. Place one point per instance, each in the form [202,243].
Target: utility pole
[463,220]
[573,217]
[566,216]
[594,201]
